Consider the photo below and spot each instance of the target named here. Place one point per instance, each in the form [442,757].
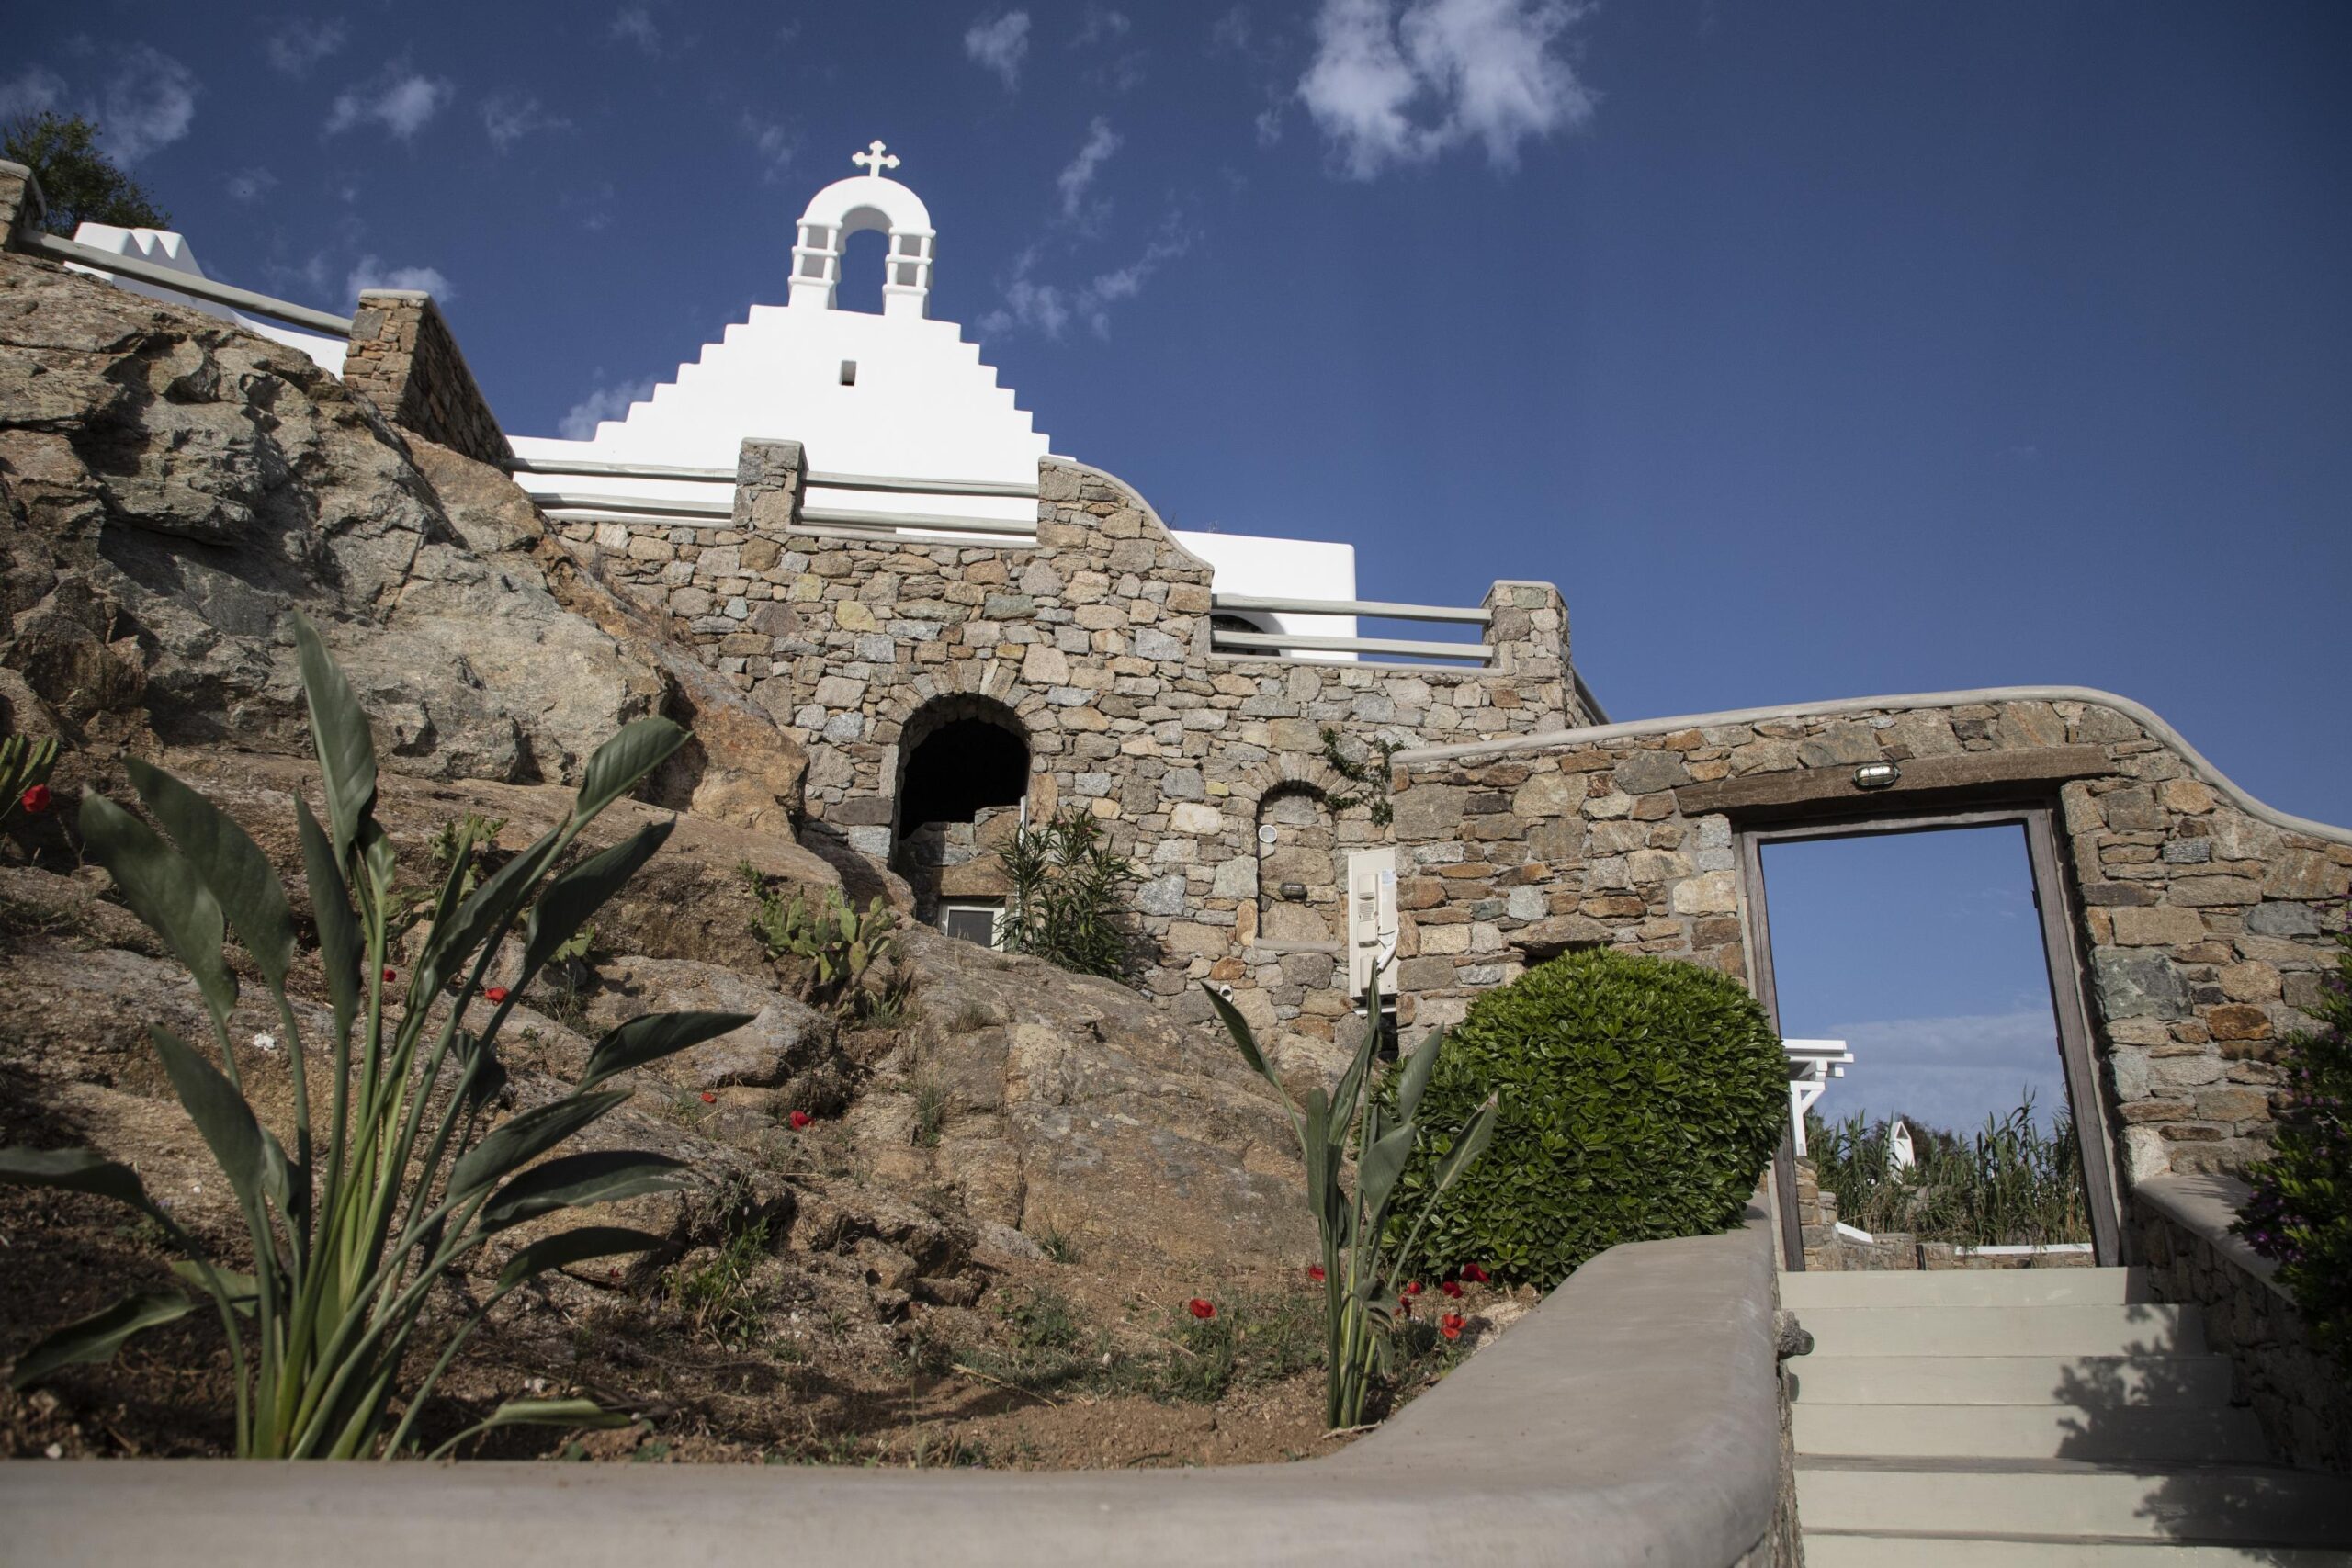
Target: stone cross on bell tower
[875,160]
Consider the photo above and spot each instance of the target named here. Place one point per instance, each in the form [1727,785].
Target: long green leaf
[575,1181]
[1383,1161]
[641,746]
[339,939]
[540,1413]
[233,866]
[501,892]
[523,1138]
[97,1337]
[1471,1143]
[568,1247]
[576,894]
[239,1146]
[163,890]
[1350,1085]
[339,736]
[652,1037]
[1416,1076]
[1239,1027]
[76,1170]
[239,1290]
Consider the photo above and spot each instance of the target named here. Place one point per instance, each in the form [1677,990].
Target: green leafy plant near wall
[842,946]
[2301,1211]
[352,1229]
[1361,1263]
[1069,897]
[1641,1100]
[1368,774]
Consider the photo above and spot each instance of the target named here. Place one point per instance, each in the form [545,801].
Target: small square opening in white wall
[849,372]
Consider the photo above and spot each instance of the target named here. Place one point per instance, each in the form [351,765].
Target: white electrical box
[1372,921]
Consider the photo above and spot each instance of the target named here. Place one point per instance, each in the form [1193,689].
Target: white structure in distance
[161,247]
[1812,1063]
[893,395]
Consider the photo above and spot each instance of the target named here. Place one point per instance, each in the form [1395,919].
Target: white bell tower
[871,201]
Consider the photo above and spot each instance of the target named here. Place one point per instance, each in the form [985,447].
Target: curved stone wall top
[2147,718]
[2199,912]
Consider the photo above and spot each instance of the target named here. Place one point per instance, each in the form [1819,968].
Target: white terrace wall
[2198,910]
[1096,638]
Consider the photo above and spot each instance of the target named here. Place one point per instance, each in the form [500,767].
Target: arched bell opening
[962,787]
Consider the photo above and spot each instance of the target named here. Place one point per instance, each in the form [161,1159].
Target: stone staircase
[2031,1418]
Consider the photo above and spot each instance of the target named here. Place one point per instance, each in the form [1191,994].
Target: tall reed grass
[2010,1183]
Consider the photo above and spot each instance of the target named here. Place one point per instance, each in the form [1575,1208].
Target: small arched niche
[962,785]
[1298,867]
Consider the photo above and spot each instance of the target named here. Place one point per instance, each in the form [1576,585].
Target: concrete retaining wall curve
[1632,1418]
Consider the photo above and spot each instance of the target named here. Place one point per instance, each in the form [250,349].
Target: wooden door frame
[2062,954]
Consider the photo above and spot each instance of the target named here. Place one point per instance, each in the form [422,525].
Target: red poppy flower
[1412,1289]
[495,992]
[1201,1309]
[801,1118]
[1450,1325]
[390,974]
[708,1098]
[1451,1287]
[1477,1275]
[37,799]
[1314,1272]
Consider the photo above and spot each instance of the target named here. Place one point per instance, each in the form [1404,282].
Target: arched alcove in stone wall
[963,777]
[1298,866]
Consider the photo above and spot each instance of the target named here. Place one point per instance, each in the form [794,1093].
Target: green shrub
[2300,1210]
[1641,1099]
[1069,901]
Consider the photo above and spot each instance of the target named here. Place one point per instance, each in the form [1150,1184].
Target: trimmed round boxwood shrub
[1641,1099]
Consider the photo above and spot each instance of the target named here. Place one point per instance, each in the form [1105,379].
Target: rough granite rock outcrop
[174,488]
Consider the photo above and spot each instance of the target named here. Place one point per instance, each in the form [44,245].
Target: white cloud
[301,43]
[371,273]
[1101,26]
[30,90]
[1053,307]
[397,98]
[774,142]
[1075,180]
[999,43]
[149,104]
[251,184]
[578,421]
[1391,87]
[509,115]
[1231,31]
[634,23]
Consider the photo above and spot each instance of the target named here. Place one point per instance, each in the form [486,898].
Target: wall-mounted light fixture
[1295,891]
[1876,776]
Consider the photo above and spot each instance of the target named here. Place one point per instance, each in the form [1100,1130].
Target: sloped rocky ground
[977,1248]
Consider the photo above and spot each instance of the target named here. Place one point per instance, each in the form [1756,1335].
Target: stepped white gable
[893,395]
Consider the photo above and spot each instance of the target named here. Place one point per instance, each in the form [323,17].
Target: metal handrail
[1378,608]
[1271,642]
[189,283]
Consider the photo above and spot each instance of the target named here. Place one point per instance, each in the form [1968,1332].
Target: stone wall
[402,358]
[2180,1234]
[2199,914]
[21,206]
[1095,641]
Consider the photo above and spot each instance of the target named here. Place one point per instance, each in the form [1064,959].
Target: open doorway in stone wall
[1932,1016]
[962,787]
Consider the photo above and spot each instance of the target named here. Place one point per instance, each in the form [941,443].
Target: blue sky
[1813,349]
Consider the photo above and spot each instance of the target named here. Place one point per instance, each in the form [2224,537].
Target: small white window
[973,921]
[849,372]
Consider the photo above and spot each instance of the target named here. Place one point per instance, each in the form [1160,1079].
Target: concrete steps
[2033,1418]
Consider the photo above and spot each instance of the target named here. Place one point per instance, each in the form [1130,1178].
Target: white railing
[831,521]
[188,283]
[1276,644]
